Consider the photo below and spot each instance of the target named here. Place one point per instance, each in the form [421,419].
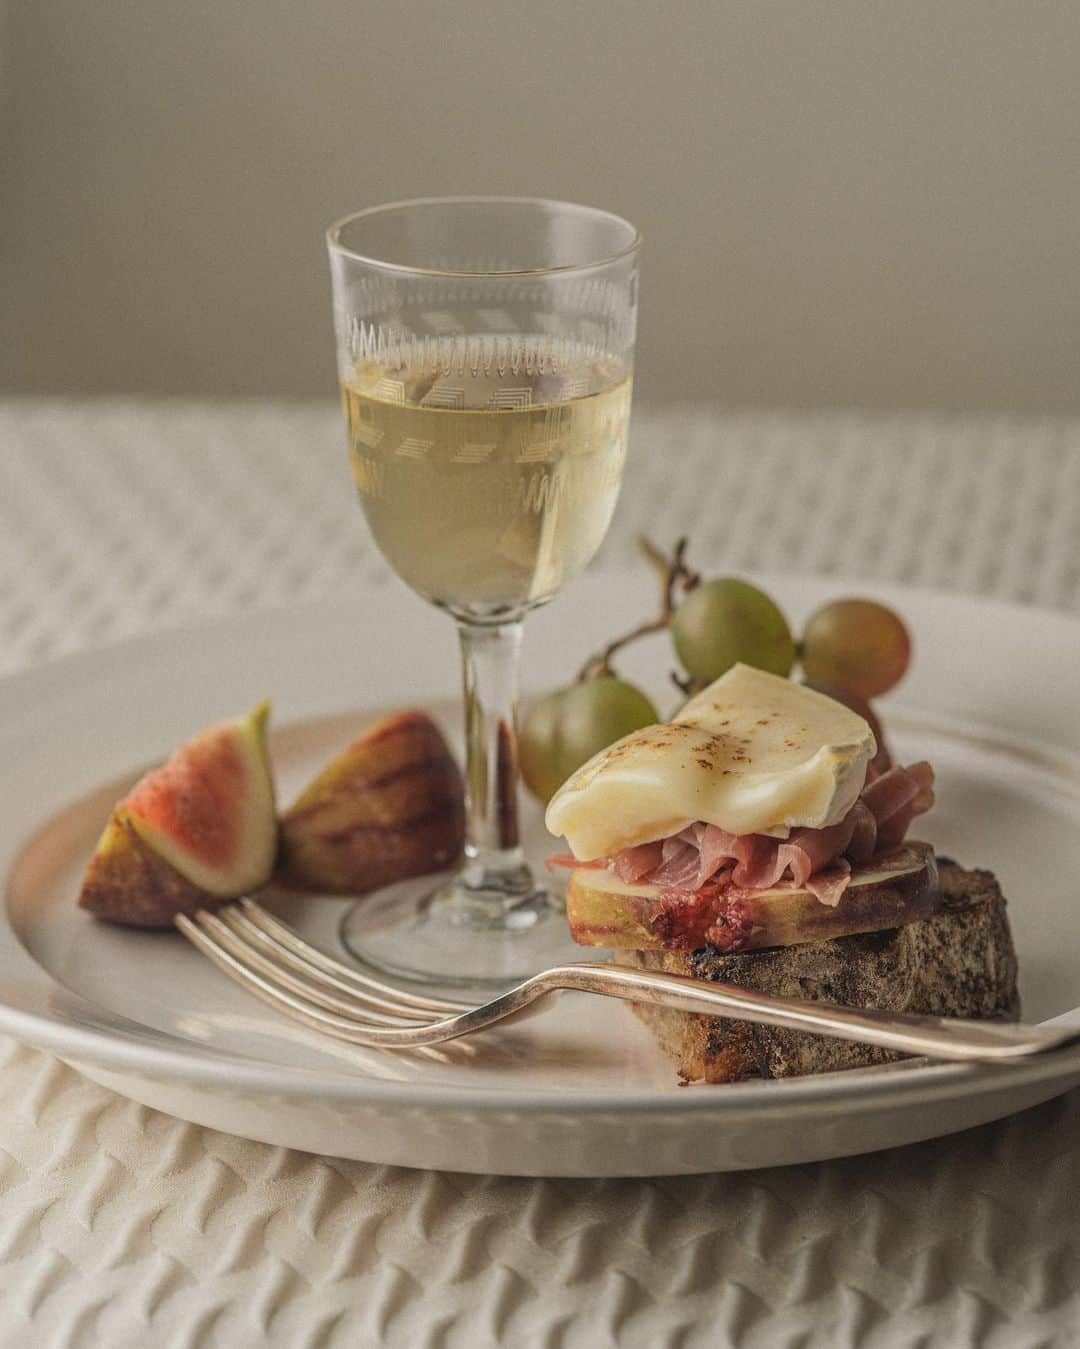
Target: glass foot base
[458,937]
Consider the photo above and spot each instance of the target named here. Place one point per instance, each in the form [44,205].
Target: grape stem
[676,578]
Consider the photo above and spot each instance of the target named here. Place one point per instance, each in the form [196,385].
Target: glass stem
[494,861]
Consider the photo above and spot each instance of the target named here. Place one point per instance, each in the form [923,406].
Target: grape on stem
[857,644]
[724,621]
[537,749]
[596,713]
[566,728]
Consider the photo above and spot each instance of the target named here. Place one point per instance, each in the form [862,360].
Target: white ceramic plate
[993,701]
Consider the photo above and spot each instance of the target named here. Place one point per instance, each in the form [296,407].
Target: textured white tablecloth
[123,1227]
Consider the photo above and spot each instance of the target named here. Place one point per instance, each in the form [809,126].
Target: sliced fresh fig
[200,829]
[128,883]
[891,891]
[390,806]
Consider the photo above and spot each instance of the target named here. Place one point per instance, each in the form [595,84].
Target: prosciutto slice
[819,860]
[895,798]
[632,864]
[829,886]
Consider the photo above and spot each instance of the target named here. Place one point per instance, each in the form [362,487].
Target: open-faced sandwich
[757,840]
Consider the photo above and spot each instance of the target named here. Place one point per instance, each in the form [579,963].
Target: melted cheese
[752,754]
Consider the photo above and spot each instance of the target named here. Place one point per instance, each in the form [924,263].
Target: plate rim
[61,664]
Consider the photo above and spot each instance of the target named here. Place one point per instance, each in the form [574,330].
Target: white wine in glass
[485,356]
[485,495]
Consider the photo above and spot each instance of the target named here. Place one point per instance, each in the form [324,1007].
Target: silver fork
[271,960]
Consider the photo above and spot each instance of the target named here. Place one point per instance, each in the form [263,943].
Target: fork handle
[938,1037]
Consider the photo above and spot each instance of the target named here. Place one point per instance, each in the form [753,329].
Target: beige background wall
[845,202]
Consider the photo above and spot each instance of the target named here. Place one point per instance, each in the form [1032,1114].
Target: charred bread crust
[959,961]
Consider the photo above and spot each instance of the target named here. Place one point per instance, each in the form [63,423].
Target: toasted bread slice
[959,961]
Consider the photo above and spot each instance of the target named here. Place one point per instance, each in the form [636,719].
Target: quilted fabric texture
[125,1227]
[121,517]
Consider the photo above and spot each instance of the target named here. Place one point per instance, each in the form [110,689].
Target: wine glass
[485,349]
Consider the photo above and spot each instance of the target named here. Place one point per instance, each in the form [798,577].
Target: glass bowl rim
[335,244]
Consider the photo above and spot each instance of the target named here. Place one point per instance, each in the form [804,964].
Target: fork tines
[275,963]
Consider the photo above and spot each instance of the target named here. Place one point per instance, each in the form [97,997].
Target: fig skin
[128,883]
[390,806]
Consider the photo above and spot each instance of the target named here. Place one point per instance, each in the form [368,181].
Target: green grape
[565,728]
[725,621]
[537,746]
[596,713]
[858,644]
